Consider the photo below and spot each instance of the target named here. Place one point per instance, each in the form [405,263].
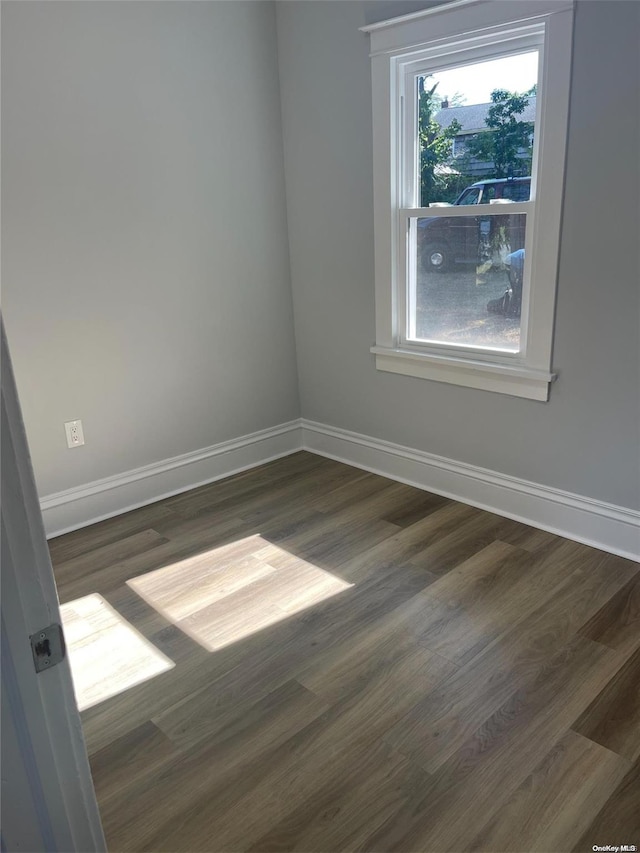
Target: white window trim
[432,32]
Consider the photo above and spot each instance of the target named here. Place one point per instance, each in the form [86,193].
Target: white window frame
[451,35]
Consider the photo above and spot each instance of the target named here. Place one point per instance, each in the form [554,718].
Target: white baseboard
[612,528]
[83,505]
[602,525]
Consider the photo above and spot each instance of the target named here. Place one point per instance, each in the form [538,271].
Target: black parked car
[447,240]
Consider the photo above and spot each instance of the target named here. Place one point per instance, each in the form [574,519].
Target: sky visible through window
[476,82]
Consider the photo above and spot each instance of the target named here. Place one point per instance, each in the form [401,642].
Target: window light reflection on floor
[233,591]
[107,655]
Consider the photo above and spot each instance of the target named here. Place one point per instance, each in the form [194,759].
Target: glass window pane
[468,280]
[470,196]
[476,123]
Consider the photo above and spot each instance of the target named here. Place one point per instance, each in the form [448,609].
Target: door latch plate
[48,647]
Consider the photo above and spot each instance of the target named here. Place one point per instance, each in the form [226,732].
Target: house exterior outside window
[472,120]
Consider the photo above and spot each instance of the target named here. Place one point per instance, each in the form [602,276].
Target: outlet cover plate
[75,434]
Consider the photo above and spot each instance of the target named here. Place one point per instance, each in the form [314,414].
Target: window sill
[517,381]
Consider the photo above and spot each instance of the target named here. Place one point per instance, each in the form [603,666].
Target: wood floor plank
[556,802]
[262,479]
[474,784]
[266,601]
[356,665]
[144,748]
[342,670]
[147,619]
[87,575]
[613,718]
[345,737]
[476,602]
[258,664]
[266,506]
[158,629]
[153,809]
[108,555]
[306,497]
[618,821]
[617,623]
[331,546]
[363,487]
[87,539]
[186,586]
[332,538]
[399,549]
[343,816]
[210,528]
[243,803]
[203,583]
[106,653]
[287,651]
[253,725]
[526,537]
[415,506]
[439,725]
[446,552]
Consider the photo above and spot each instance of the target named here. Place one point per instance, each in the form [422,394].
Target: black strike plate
[48,647]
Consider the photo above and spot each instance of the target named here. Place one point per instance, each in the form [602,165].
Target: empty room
[320,426]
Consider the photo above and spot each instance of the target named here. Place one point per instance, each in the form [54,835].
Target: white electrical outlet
[75,435]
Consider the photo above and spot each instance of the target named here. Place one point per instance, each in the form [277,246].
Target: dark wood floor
[355,665]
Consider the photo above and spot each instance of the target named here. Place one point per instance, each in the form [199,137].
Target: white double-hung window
[470,104]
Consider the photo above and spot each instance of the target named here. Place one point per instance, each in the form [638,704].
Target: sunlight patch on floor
[107,655]
[231,592]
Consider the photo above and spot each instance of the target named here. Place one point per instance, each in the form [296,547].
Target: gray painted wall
[585,439]
[145,267]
